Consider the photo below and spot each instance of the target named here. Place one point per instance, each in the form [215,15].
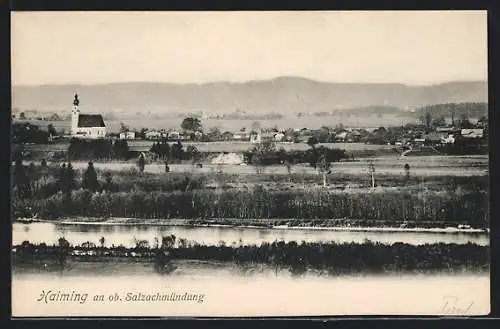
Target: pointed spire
[76,101]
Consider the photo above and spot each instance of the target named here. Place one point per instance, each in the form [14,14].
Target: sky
[414,47]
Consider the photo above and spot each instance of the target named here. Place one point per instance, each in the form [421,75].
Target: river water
[127,235]
[225,291]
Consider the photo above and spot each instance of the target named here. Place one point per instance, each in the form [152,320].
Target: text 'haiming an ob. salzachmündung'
[55,296]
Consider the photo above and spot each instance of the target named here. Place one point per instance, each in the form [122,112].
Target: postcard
[250,164]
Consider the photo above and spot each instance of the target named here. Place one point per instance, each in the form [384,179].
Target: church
[86,125]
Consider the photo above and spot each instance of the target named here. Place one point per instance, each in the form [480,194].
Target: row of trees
[174,151]
[336,258]
[26,132]
[260,203]
[320,158]
[105,149]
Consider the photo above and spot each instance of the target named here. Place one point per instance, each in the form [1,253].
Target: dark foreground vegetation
[52,193]
[346,258]
[263,204]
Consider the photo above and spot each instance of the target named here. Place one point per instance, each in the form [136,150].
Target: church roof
[90,120]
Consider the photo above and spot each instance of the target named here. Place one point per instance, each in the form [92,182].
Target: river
[127,235]
[223,290]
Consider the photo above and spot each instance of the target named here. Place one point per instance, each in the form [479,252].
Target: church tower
[75,113]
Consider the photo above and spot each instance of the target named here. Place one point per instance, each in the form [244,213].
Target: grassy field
[197,195]
[230,146]
[387,165]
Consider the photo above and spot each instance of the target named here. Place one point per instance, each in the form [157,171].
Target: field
[232,146]
[393,165]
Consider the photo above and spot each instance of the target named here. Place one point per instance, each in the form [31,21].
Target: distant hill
[470,110]
[284,95]
[377,110]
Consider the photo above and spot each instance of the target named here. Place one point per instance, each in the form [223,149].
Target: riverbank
[283,224]
[335,258]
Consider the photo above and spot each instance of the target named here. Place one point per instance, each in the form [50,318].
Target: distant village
[434,132]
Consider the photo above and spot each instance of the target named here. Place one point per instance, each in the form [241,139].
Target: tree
[193,153]
[62,251]
[70,177]
[61,177]
[407,171]
[168,242]
[324,166]
[256,126]
[261,153]
[191,124]
[22,116]
[214,134]
[428,119]
[90,178]
[102,241]
[108,181]
[176,150]
[20,179]
[141,163]
[120,149]
[439,122]
[465,123]
[312,141]
[288,164]
[52,131]
[371,170]
[123,128]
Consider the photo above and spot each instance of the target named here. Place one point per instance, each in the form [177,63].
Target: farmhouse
[340,137]
[241,136]
[127,135]
[471,133]
[86,125]
[152,134]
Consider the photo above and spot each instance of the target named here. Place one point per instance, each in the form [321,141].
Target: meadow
[436,202]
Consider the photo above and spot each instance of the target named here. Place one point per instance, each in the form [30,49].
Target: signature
[452,305]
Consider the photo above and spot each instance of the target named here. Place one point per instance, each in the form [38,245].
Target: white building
[86,125]
[127,135]
[278,137]
[152,134]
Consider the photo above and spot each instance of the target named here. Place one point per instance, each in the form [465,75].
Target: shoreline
[186,223]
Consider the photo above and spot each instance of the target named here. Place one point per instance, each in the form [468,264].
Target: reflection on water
[127,234]
[229,290]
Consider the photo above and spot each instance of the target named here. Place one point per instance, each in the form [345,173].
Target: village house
[227,136]
[472,133]
[127,135]
[153,134]
[174,135]
[241,136]
[444,129]
[341,136]
[255,138]
[434,138]
[86,125]
[278,137]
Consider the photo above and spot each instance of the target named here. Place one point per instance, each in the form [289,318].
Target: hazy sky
[98,47]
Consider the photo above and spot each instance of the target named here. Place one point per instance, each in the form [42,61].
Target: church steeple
[75,114]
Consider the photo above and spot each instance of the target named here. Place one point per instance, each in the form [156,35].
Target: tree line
[98,149]
[334,258]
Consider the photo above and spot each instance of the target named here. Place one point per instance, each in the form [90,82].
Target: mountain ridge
[285,95]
